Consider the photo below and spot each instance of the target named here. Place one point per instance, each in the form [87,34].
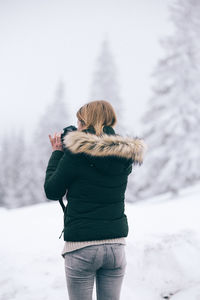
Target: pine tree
[5,154]
[54,119]
[105,84]
[14,180]
[23,166]
[171,124]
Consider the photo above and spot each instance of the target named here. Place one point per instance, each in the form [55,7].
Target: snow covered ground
[163,250]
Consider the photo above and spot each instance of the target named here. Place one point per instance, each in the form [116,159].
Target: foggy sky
[43,42]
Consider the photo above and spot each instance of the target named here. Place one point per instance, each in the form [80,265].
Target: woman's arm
[60,170]
[60,173]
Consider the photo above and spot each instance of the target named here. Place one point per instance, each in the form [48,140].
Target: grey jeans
[106,263]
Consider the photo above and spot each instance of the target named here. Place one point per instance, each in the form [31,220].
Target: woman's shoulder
[107,145]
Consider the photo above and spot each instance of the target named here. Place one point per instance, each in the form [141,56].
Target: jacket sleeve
[60,173]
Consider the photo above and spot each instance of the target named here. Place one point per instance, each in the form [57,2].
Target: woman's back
[94,171]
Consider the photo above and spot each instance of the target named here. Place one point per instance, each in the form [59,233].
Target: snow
[162,250]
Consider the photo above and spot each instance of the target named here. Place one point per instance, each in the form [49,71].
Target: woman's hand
[56,142]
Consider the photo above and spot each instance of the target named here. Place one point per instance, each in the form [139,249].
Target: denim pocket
[119,255]
[86,254]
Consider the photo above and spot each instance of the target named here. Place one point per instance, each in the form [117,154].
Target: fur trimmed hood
[106,145]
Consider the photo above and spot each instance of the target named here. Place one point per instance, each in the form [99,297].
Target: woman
[92,166]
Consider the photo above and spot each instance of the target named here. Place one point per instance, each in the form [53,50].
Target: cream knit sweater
[71,246]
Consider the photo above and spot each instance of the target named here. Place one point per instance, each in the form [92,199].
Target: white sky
[44,41]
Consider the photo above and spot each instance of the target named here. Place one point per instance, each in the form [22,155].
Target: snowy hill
[163,251]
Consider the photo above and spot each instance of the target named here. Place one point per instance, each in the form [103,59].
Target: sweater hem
[70,246]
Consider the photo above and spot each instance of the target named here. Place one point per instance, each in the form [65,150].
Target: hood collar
[105,145]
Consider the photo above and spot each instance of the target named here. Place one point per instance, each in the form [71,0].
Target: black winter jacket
[93,173]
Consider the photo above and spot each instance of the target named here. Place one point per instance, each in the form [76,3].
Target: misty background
[45,42]
[143,57]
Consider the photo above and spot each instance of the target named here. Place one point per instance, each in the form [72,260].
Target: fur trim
[105,145]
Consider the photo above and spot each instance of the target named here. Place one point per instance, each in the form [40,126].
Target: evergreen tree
[5,154]
[54,119]
[105,84]
[171,124]
[14,181]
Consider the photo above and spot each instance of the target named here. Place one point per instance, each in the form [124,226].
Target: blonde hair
[97,114]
